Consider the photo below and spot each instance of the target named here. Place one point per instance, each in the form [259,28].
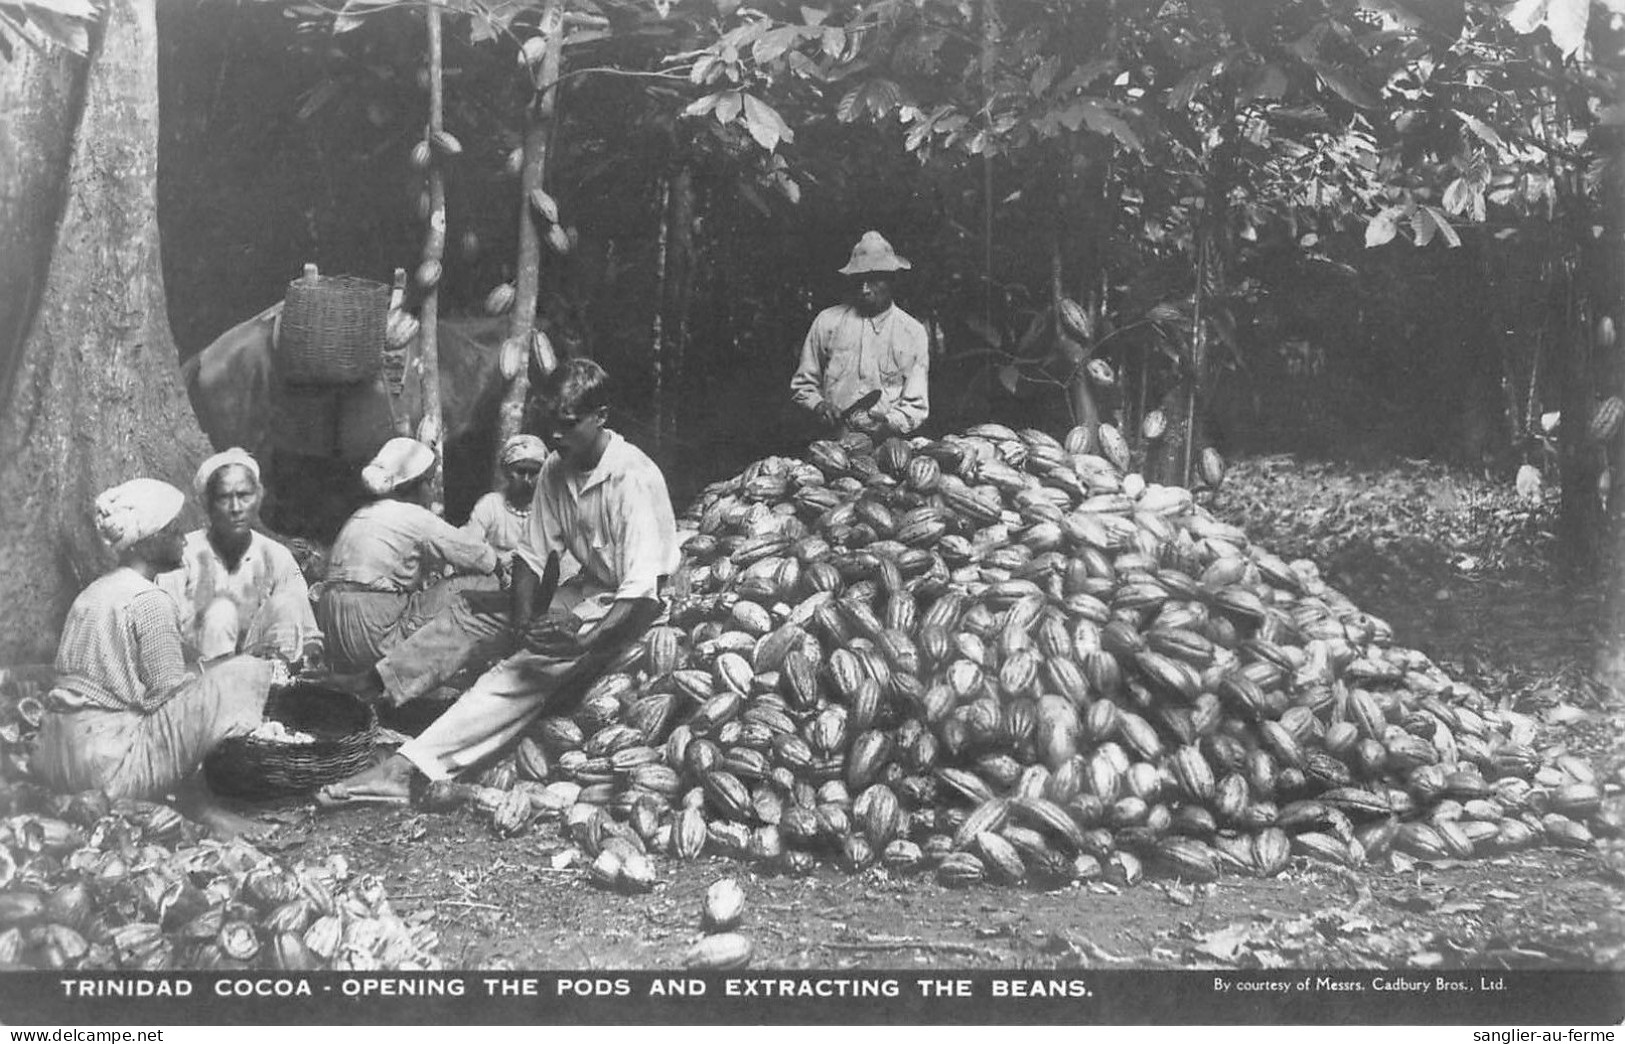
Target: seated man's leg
[488,716]
[422,606]
[456,638]
[219,629]
[483,720]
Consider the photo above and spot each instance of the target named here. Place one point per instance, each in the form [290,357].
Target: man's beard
[231,546]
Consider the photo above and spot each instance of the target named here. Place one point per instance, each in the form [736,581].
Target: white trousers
[489,716]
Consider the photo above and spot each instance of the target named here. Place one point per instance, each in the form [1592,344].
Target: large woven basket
[332,330]
[260,769]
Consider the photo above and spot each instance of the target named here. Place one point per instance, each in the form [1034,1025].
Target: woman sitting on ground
[127,716]
[385,572]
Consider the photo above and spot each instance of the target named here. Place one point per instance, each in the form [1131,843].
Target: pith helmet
[874,254]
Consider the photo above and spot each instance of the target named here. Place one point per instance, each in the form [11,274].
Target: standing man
[239,590]
[604,501]
[866,346]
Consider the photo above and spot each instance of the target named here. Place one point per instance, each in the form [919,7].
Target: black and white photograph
[909,513]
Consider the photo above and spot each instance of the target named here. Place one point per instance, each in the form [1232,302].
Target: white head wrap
[225,458]
[523,447]
[399,461]
[135,510]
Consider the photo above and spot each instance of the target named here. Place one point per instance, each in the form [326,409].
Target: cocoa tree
[94,394]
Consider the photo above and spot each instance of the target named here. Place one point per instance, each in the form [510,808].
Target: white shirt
[266,570]
[497,522]
[616,520]
[848,354]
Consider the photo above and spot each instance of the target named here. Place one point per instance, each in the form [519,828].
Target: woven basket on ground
[332,330]
[256,768]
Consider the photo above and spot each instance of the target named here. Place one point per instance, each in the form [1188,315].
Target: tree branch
[612,71]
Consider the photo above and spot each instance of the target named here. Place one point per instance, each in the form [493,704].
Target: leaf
[1345,85]
[880,97]
[772,44]
[1422,227]
[764,123]
[1448,231]
[918,133]
[1010,377]
[1384,227]
[728,106]
[702,106]
[705,69]
[847,109]
[1458,197]
[1482,131]
[1566,21]
[1180,95]
[1525,16]
[813,15]
[1102,122]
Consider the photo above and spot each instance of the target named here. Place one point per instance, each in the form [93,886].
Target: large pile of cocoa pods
[999,656]
[88,884]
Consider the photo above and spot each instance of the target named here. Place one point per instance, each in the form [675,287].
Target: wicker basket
[332,330]
[344,727]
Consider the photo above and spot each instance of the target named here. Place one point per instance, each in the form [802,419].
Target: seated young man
[239,590]
[126,715]
[604,501]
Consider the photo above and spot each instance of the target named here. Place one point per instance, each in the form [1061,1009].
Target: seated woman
[126,715]
[385,570]
[239,590]
[500,517]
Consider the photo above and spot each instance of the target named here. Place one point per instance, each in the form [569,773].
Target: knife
[865,401]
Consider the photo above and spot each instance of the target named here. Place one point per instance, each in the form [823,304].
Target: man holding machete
[864,365]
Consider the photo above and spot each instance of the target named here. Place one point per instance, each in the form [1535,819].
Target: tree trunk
[676,298]
[539,117]
[425,369]
[45,94]
[97,395]
[1578,519]
[1610,651]
[657,337]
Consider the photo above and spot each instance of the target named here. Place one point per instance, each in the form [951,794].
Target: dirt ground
[527,903]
